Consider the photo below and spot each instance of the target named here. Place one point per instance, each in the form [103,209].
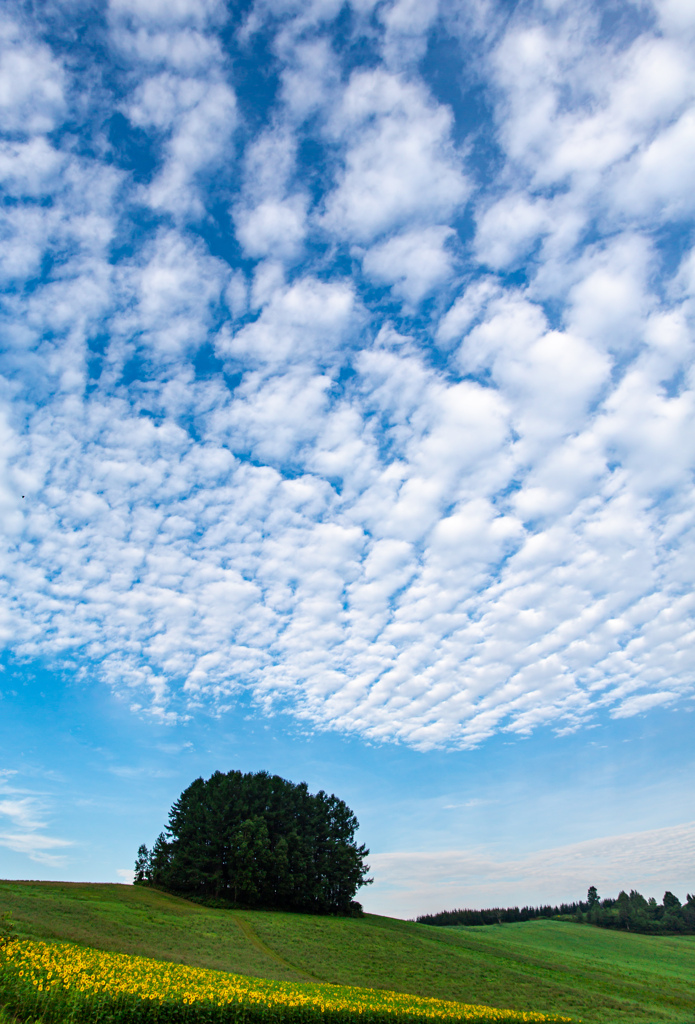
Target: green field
[549,966]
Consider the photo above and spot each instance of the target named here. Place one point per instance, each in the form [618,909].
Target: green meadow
[587,973]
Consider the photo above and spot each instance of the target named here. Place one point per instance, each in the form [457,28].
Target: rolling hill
[560,967]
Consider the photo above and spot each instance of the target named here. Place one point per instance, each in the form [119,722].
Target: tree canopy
[258,840]
[633,912]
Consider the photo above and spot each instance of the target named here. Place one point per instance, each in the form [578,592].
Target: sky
[347,432]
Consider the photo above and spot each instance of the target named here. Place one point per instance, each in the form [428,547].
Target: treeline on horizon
[629,912]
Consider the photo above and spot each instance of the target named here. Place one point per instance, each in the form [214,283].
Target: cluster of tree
[631,912]
[634,913]
[497,915]
[257,840]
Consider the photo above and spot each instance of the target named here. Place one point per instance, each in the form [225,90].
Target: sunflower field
[62,983]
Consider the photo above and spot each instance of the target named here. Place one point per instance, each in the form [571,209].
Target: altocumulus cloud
[361,388]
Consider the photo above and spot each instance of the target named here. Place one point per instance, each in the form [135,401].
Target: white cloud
[275,419]
[181,94]
[167,295]
[644,702]
[632,93]
[407,543]
[32,83]
[656,180]
[300,18]
[400,166]
[406,23]
[466,309]
[509,228]
[549,377]
[186,51]
[414,262]
[272,228]
[269,162]
[310,76]
[165,13]
[35,845]
[408,883]
[611,299]
[307,319]
[270,221]
[676,16]
[199,116]
[29,168]
[595,133]
[21,811]
[26,815]
[171,35]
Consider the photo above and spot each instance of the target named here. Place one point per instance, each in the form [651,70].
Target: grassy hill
[588,973]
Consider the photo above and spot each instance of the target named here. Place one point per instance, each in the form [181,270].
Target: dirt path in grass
[260,945]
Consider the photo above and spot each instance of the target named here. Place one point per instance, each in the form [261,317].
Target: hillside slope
[588,973]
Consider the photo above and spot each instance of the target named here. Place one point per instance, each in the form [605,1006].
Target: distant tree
[673,919]
[258,840]
[142,866]
[593,902]
[498,915]
[623,904]
[671,902]
[631,912]
[638,918]
[688,912]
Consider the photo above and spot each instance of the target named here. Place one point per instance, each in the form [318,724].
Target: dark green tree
[143,875]
[639,912]
[594,904]
[671,902]
[673,919]
[632,912]
[160,859]
[623,905]
[688,912]
[258,840]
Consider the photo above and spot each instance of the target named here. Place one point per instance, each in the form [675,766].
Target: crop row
[61,983]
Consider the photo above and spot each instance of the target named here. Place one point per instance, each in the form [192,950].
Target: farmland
[544,966]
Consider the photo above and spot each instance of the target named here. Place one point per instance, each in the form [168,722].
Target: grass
[547,966]
[130,919]
[61,981]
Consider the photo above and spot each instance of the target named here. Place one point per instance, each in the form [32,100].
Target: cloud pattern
[347,378]
[418,883]
[24,812]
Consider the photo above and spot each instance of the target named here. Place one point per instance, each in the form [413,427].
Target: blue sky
[347,417]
